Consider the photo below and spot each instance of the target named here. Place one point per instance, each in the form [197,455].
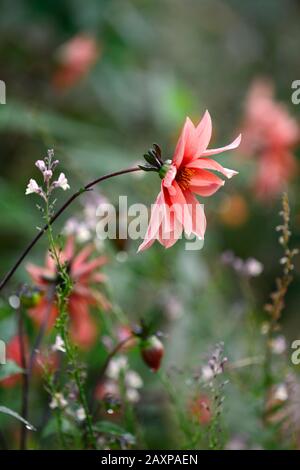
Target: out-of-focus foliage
[158,61]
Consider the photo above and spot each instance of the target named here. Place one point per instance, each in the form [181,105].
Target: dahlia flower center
[184,177]
[169,173]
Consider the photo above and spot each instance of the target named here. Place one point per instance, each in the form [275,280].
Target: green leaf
[51,428]
[109,428]
[8,411]
[9,369]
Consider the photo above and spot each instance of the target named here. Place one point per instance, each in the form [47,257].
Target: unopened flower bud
[152,351]
[30,297]
[41,165]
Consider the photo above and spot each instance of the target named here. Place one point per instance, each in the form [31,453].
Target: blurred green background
[157,62]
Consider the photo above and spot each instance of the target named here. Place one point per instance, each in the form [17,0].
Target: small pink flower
[176,208]
[62,182]
[41,165]
[33,187]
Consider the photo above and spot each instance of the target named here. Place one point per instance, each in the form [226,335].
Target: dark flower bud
[152,351]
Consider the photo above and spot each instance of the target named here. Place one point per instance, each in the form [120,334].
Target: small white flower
[83,233]
[33,187]
[207,373]
[80,414]
[41,165]
[132,395]
[58,401]
[253,267]
[14,301]
[278,344]
[59,344]
[133,380]
[281,393]
[116,366]
[62,182]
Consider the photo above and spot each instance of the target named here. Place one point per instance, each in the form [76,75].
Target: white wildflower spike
[33,187]
[62,182]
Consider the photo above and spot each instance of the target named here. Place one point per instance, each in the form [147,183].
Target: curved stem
[87,187]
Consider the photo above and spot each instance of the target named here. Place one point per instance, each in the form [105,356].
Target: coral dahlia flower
[270,134]
[85,276]
[76,57]
[188,174]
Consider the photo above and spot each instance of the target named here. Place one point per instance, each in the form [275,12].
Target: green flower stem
[63,291]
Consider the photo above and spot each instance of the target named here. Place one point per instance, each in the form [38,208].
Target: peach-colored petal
[208,164]
[98,277]
[68,252]
[88,267]
[91,296]
[82,256]
[83,327]
[205,178]
[233,145]
[197,139]
[168,228]
[178,204]
[38,274]
[101,300]
[197,214]
[154,224]
[207,190]
[167,238]
[204,183]
[203,133]
[186,133]
[42,310]
[147,243]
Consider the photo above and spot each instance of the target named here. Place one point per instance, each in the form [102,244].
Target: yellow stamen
[184,177]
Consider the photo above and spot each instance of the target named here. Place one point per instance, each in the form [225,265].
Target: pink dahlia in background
[270,134]
[188,174]
[13,353]
[85,294]
[199,409]
[75,57]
